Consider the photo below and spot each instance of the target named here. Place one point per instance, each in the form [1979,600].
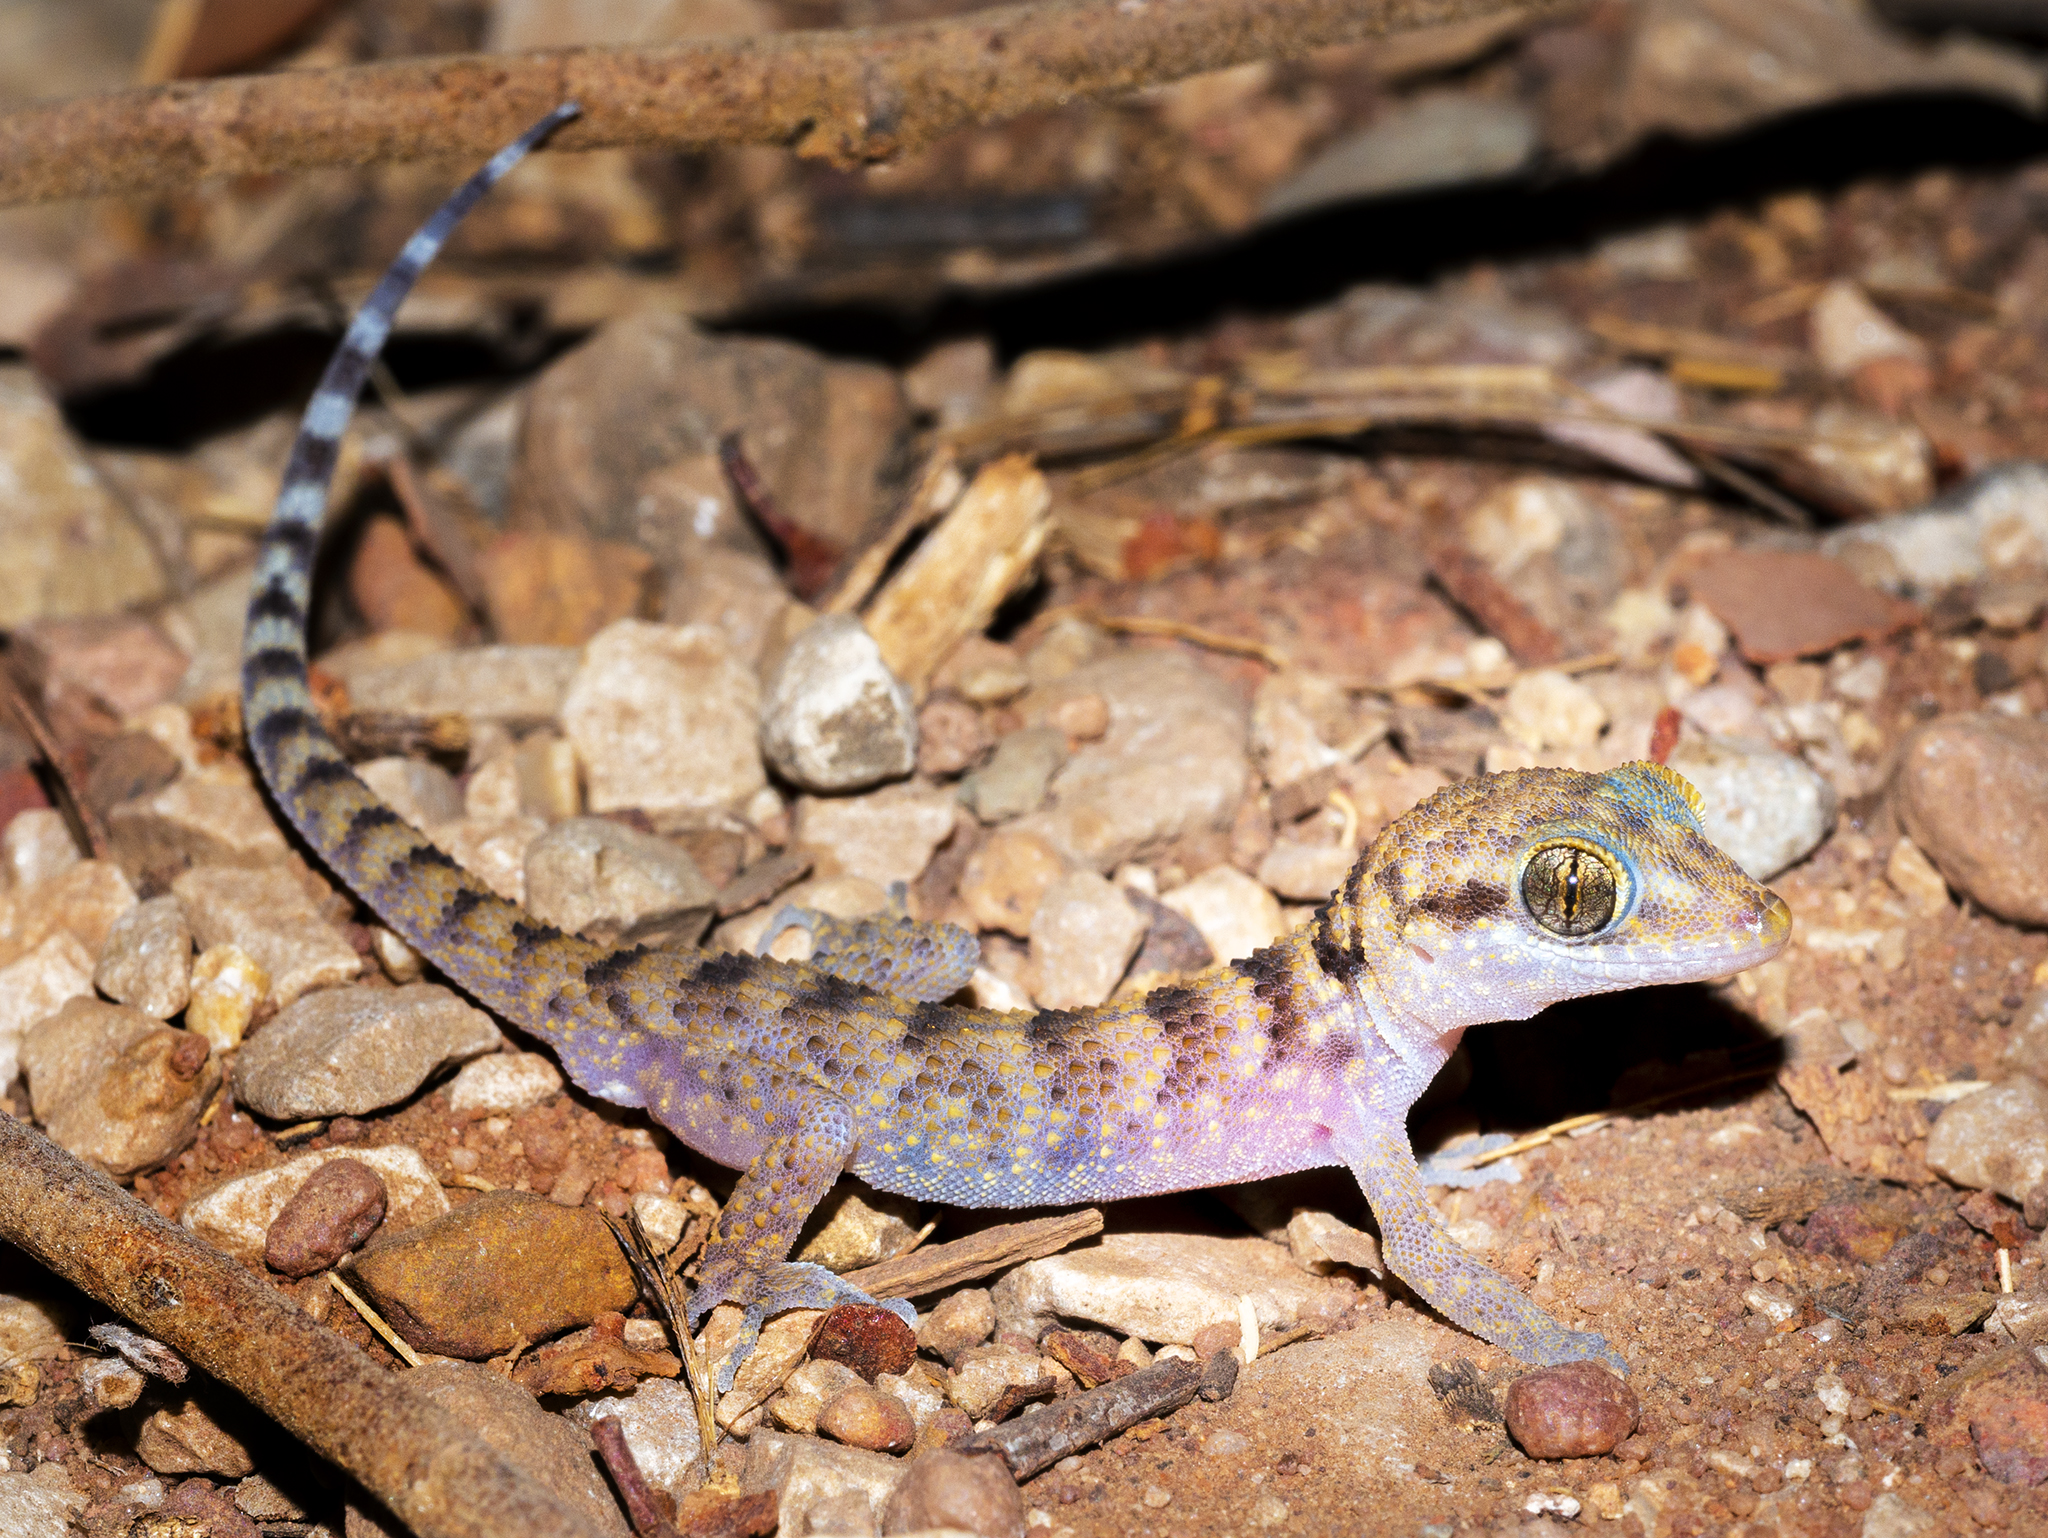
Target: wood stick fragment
[635,1494]
[852,96]
[432,1472]
[1473,587]
[1037,1441]
[977,1255]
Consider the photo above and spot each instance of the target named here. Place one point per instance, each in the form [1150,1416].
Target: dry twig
[965,1260]
[849,96]
[428,1469]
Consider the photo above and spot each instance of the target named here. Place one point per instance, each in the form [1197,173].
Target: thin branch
[429,1469]
[849,96]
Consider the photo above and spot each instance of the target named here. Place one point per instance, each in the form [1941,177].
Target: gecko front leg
[744,1262]
[1423,1254]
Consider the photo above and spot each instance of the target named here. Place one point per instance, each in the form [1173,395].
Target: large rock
[552,1450]
[71,547]
[651,393]
[664,719]
[835,718]
[808,1473]
[1973,794]
[504,1269]
[350,1051]
[1173,761]
[117,1087]
[1996,1139]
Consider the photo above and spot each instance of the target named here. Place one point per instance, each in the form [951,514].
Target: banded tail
[484,944]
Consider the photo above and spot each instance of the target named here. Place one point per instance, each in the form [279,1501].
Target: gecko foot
[776,1289]
[1557,1345]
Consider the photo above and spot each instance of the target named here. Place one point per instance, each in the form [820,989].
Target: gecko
[1494,898]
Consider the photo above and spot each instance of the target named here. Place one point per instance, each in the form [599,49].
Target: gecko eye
[1569,890]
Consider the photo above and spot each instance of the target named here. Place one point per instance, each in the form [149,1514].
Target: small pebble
[1156,1496]
[863,1417]
[339,1206]
[227,985]
[503,1082]
[959,1320]
[147,962]
[1576,1410]
[868,1338]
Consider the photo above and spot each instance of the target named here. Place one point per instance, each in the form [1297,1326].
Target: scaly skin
[1307,1053]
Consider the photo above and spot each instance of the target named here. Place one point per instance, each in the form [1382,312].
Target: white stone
[423,794]
[1161,1287]
[1766,810]
[1849,331]
[886,836]
[809,1472]
[1996,1139]
[1546,711]
[37,843]
[664,718]
[834,717]
[39,1504]
[1173,762]
[660,1423]
[236,1215]
[147,960]
[36,987]
[520,685]
[1084,932]
[503,1082]
[590,874]
[268,914]
[1233,913]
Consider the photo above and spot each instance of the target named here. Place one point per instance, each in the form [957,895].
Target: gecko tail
[448,915]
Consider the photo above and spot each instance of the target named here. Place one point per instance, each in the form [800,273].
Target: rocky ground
[1116,658]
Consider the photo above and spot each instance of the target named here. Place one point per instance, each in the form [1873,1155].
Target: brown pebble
[1083,718]
[867,1338]
[2010,1433]
[1577,1410]
[952,737]
[962,1319]
[1767,1481]
[861,1416]
[338,1207]
[1212,1338]
[948,1489]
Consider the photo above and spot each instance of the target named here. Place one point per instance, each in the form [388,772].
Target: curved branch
[434,1474]
[847,96]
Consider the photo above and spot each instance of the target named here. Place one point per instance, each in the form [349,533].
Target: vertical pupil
[1571,886]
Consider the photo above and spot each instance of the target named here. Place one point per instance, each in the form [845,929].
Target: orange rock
[394,589]
[558,590]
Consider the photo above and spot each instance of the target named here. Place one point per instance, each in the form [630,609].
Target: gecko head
[1504,894]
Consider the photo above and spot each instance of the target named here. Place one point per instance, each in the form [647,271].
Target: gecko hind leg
[744,1262]
[1471,1294]
[888,952]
